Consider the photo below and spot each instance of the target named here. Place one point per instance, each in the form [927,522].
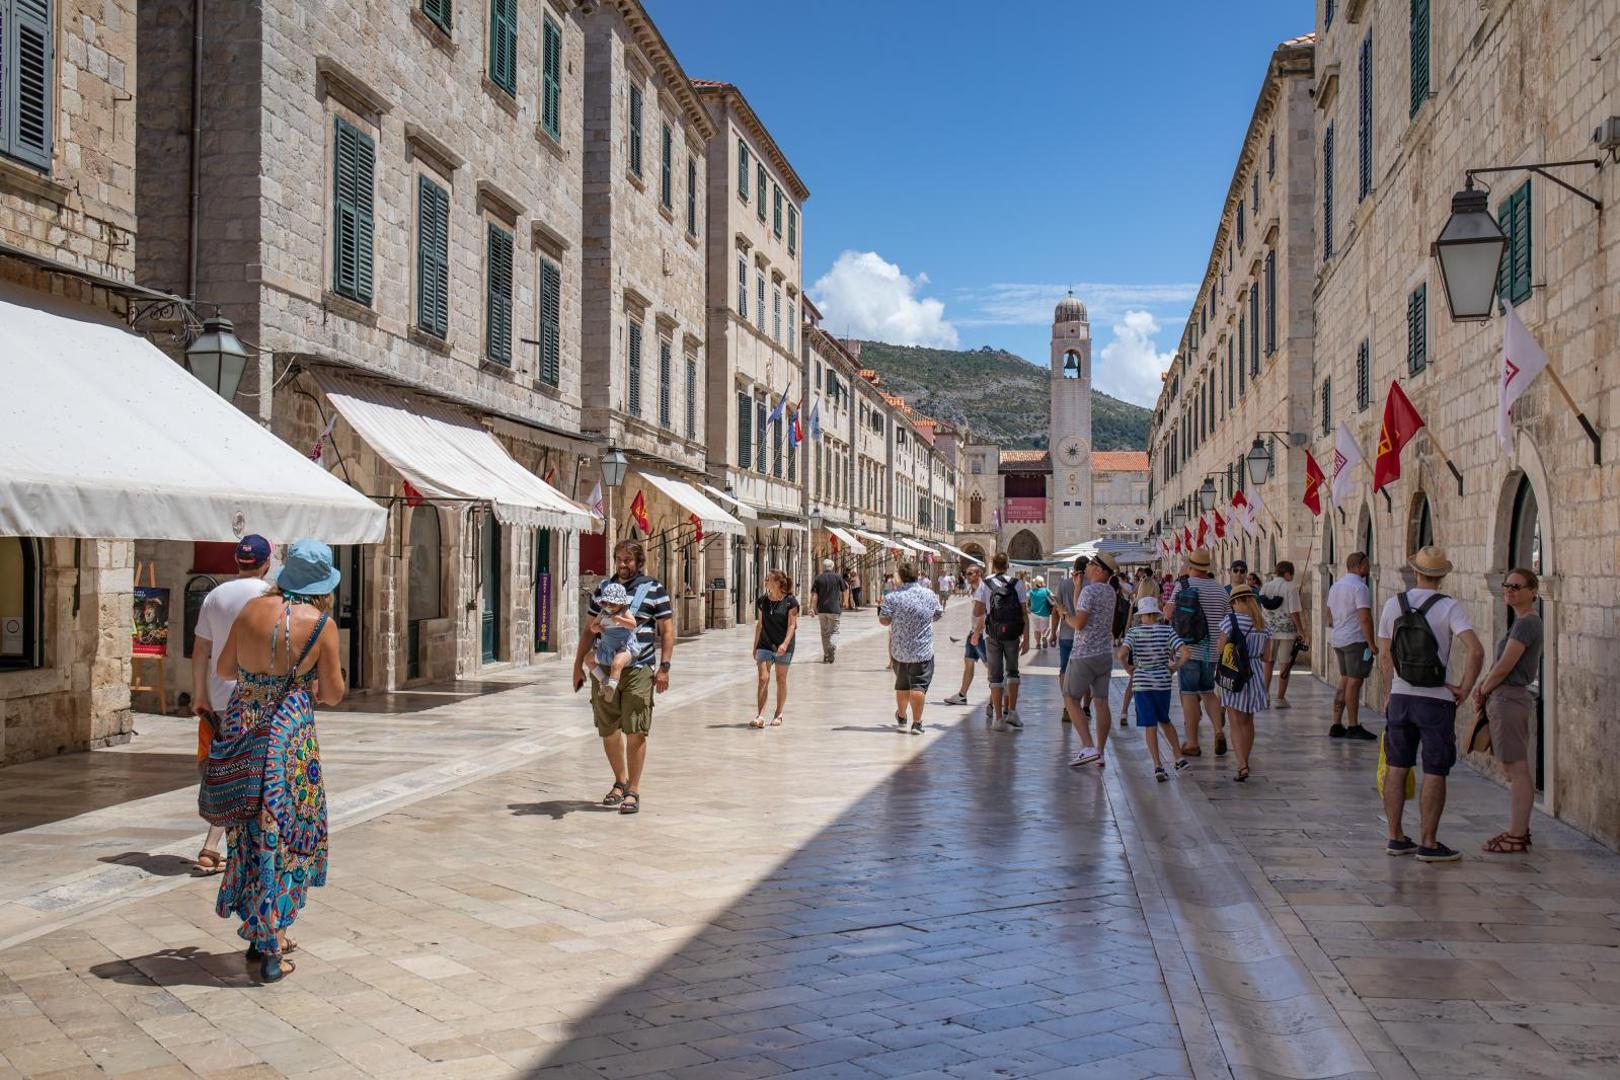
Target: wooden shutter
[1363,376]
[793,230]
[1327,193]
[776,210]
[1513,274]
[745,430]
[742,169]
[1327,406]
[759,440]
[1271,302]
[759,191]
[551,77]
[691,195]
[691,397]
[776,445]
[550,323]
[634,363]
[498,290]
[432,258]
[666,168]
[1254,328]
[27,79]
[742,289]
[1417,330]
[1364,130]
[354,177]
[664,375]
[503,44]
[1420,53]
[635,130]
[439,13]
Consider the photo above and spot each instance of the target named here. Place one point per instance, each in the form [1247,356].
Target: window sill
[438,35]
[349,309]
[427,340]
[547,389]
[502,98]
[496,367]
[666,213]
[18,176]
[635,181]
[550,142]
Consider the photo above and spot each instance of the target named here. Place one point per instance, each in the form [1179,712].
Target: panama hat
[1108,561]
[307,570]
[1148,605]
[1240,591]
[1430,561]
[1199,559]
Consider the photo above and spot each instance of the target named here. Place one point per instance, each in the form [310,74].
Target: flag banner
[815,420]
[1346,456]
[1203,530]
[319,451]
[832,542]
[412,496]
[1241,513]
[1186,538]
[1252,512]
[638,513]
[781,406]
[1401,422]
[1522,360]
[595,503]
[1178,543]
[1220,524]
[697,524]
[795,430]
[1314,479]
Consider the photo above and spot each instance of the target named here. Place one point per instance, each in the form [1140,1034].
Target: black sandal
[616,794]
[1242,774]
[274,969]
[254,955]
[631,807]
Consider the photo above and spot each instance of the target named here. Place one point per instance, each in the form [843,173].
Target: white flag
[1240,511]
[1251,512]
[595,503]
[1522,361]
[1346,456]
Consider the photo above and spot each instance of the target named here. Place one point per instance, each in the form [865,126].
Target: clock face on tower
[1072,450]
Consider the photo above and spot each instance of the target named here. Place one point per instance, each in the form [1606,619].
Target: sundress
[276,858]
[1252,698]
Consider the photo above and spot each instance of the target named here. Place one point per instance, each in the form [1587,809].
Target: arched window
[1071,365]
[1420,524]
[22,611]
[976,509]
[426,573]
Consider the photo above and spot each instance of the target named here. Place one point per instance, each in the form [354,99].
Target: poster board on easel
[149,637]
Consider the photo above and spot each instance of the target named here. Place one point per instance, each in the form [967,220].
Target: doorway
[1524,549]
[490,588]
[348,606]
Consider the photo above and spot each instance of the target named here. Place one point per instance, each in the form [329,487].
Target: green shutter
[1420,53]
[1513,275]
[793,231]
[776,210]
[759,435]
[432,258]
[745,430]
[691,397]
[664,376]
[354,175]
[1364,134]
[1327,193]
[498,297]
[550,323]
[691,196]
[551,77]
[666,169]
[439,13]
[1417,330]
[27,79]
[503,44]
[634,363]
[742,169]
[759,191]
[1271,302]
[635,130]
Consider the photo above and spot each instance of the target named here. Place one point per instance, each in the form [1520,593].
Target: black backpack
[1188,617]
[1005,618]
[1122,614]
[1413,646]
[1232,670]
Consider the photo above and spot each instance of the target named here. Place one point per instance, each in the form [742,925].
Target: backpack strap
[1406,605]
[641,594]
[1430,602]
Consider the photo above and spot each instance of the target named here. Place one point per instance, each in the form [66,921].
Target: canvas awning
[847,540]
[918,547]
[958,551]
[743,511]
[711,517]
[881,541]
[102,436]
[779,523]
[446,454]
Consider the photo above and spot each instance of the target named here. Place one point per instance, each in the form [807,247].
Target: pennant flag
[1401,422]
[1522,361]
[412,496]
[551,474]
[781,405]
[319,450]
[1241,512]
[815,420]
[1178,543]
[595,503]
[638,512]
[1346,456]
[1220,524]
[697,523]
[1251,513]
[1186,538]
[1314,479]
[832,542]
[1203,530]
[795,431]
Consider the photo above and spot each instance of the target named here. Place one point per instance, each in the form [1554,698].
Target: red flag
[1186,537]
[1178,543]
[832,540]
[550,473]
[638,512]
[1401,422]
[412,496]
[697,523]
[1220,525]
[1203,529]
[1314,479]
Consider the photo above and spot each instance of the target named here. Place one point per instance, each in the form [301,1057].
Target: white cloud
[865,297]
[1132,363]
[1031,304]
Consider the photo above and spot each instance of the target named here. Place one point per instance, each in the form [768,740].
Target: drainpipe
[195,148]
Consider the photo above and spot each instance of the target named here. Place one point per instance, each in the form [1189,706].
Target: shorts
[630,711]
[605,656]
[768,656]
[1421,722]
[1065,647]
[913,676]
[1001,657]
[1196,677]
[1152,707]
[1088,674]
[1509,709]
[971,651]
[1354,663]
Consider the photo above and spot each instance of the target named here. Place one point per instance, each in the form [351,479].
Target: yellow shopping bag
[1383,767]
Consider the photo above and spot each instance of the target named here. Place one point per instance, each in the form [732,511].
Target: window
[792,461]
[759,426]
[633,361]
[550,76]
[742,169]
[793,230]
[759,191]
[1271,302]
[666,169]
[438,13]
[742,288]
[22,582]
[1363,376]
[503,44]
[498,295]
[759,300]
[1241,232]
[776,316]
[635,130]
[550,323]
[1364,133]
[1420,53]
[1254,194]
[1327,193]
[1421,525]
[791,324]
[664,389]
[1328,8]
[776,210]
[1513,274]
[691,396]
[432,258]
[1242,360]
[1271,155]
[745,430]
[1417,330]
[425,600]
[691,196]
[1327,405]
[354,171]
[1254,328]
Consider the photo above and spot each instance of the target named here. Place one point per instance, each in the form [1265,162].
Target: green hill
[1001,397]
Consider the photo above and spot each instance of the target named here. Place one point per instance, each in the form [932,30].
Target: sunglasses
[1514,586]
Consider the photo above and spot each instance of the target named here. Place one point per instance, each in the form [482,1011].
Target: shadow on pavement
[54,789]
[556,808]
[156,865]
[188,966]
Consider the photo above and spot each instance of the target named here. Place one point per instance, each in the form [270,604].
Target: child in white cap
[615,628]
[1151,652]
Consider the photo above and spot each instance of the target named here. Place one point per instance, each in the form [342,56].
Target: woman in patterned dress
[277,857]
[1241,706]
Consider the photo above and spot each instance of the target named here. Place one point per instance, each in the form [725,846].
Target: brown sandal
[1190,750]
[209,862]
[1505,843]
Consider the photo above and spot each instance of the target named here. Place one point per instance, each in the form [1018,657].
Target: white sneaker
[956,699]
[1012,719]
[998,724]
[1088,756]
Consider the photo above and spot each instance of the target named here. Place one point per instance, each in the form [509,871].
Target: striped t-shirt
[655,608]
[1152,645]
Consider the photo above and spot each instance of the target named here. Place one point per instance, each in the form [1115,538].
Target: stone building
[67,232]
[755,257]
[1409,97]
[1243,367]
[832,472]
[387,203]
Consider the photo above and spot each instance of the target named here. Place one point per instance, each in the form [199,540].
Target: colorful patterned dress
[275,859]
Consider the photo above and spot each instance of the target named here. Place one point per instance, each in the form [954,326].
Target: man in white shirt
[210,694]
[1350,606]
[1286,622]
[1003,640]
[1421,706]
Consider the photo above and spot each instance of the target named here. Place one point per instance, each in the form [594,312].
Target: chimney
[853,347]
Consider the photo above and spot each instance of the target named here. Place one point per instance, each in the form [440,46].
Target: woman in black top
[776,624]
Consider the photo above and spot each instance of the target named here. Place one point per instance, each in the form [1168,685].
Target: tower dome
[1069,309]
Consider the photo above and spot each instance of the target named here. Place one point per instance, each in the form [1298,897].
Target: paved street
[827,899]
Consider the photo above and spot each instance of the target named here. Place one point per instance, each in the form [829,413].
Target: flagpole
[1435,442]
[1591,433]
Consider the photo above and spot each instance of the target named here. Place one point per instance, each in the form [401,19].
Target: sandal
[209,862]
[1220,744]
[757,722]
[254,955]
[631,807]
[275,968]
[776,721]
[616,796]
[1506,843]
[1242,774]
[1191,750]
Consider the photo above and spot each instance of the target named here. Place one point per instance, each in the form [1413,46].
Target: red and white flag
[595,504]
[1346,456]
[1219,522]
[319,450]
[1240,511]
[1522,360]
[1251,513]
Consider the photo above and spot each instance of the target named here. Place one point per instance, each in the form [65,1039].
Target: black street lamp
[1260,462]
[614,466]
[1469,251]
[1206,494]
[218,357]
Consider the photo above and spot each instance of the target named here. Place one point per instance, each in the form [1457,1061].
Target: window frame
[35,613]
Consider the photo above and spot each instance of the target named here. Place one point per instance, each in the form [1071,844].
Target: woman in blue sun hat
[283,654]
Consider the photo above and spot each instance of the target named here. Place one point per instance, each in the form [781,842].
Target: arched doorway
[975,550]
[1524,549]
[1025,547]
[1420,523]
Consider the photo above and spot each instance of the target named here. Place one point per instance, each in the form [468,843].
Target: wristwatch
[663,665]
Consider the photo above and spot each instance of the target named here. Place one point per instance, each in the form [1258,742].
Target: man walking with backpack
[1416,633]
[1001,627]
[1197,611]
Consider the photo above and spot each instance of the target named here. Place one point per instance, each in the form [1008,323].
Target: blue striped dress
[1252,698]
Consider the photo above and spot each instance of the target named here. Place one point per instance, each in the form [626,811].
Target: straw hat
[1430,561]
[1200,559]
[1108,561]
[1241,591]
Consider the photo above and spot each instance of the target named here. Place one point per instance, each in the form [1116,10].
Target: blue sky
[967,162]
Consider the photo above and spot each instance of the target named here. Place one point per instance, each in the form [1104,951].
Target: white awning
[446,454]
[713,519]
[103,436]
[881,541]
[847,540]
[915,546]
[958,551]
[778,523]
[744,511]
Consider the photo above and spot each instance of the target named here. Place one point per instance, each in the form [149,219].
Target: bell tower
[1073,515]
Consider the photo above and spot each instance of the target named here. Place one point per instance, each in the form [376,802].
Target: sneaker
[1280,703]
[1438,853]
[1336,731]
[905,728]
[1356,731]
[1160,775]
[1403,846]
[956,699]
[1088,756]
[1012,719]
[999,724]
[1182,765]
[916,728]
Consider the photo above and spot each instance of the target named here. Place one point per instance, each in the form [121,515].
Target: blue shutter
[354,174]
[498,298]
[550,323]
[551,77]
[503,44]
[432,258]
[27,81]
[634,365]
[1364,133]
[1420,53]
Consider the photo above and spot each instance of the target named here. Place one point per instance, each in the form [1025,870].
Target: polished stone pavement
[825,899]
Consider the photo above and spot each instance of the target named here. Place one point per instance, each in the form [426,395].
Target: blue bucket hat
[307,569]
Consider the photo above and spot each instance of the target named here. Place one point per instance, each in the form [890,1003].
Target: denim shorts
[910,677]
[971,651]
[1197,677]
[768,656]
[1422,723]
[1001,657]
[1065,647]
